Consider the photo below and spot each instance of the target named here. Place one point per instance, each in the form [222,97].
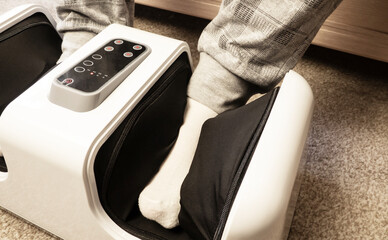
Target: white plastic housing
[50,151]
[265,202]
[18,14]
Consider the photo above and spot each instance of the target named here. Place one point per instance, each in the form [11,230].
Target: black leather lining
[224,151]
[27,51]
[3,165]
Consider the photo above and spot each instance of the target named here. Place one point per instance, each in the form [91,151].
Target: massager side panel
[50,149]
[260,208]
[29,46]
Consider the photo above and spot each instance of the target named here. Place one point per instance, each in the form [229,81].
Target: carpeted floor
[344,193]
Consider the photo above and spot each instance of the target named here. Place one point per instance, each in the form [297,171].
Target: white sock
[159,201]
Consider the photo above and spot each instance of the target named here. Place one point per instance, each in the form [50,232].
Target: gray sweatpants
[247,48]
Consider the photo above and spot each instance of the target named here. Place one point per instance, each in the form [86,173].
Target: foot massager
[79,141]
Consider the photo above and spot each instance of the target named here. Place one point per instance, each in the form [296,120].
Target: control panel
[93,72]
[88,82]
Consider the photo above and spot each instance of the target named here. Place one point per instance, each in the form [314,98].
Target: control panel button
[67,81]
[79,69]
[128,54]
[88,63]
[118,42]
[109,48]
[96,56]
[137,47]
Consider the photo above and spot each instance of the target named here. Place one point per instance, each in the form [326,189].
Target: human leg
[83,19]
[255,43]
[247,48]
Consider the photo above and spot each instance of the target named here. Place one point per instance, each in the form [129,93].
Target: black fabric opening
[225,148]
[27,51]
[132,155]
[3,165]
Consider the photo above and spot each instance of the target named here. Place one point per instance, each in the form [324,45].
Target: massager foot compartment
[230,147]
[143,140]
[134,152]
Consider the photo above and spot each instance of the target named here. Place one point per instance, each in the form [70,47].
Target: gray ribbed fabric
[216,87]
[93,15]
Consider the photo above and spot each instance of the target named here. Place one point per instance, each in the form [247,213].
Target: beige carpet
[344,194]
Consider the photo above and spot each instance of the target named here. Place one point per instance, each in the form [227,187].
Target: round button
[97,56]
[118,42]
[109,48]
[128,54]
[79,69]
[137,47]
[67,81]
[88,63]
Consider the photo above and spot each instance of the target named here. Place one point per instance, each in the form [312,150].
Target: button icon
[67,81]
[128,54]
[137,47]
[96,56]
[118,42]
[88,63]
[109,48]
[79,69]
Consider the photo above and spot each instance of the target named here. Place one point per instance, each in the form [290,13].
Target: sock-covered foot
[159,201]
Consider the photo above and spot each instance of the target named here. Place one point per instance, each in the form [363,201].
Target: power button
[67,81]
